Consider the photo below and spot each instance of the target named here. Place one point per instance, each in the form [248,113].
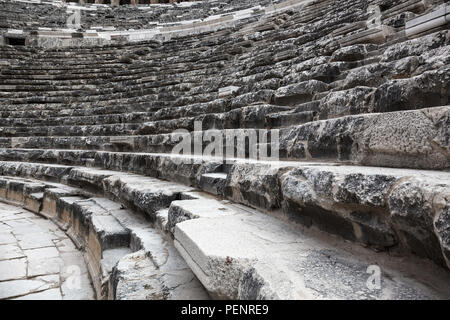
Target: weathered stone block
[183,210]
[299,93]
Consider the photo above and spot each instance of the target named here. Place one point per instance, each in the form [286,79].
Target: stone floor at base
[37,260]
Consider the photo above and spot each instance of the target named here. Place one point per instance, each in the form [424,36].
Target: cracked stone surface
[38,261]
[248,255]
[355,92]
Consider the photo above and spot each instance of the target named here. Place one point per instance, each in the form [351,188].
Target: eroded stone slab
[38,261]
[253,256]
[182,210]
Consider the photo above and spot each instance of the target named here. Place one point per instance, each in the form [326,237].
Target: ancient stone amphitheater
[315,160]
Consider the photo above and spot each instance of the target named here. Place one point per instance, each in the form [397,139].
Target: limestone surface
[38,261]
[231,149]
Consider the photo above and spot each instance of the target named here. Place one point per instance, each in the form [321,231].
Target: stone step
[289,118]
[88,69]
[134,117]
[416,6]
[134,277]
[299,93]
[251,116]
[78,109]
[145,194]
[66,97]
[105,129]
[111,234]
[145,79]
[142,80]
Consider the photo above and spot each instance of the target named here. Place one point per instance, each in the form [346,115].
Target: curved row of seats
[109,235]
[287,82]
[235,251]
[376,207]
[361,117]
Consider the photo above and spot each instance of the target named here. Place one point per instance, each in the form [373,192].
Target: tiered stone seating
[32,14]
[110,236]
[362,113]
[235,252]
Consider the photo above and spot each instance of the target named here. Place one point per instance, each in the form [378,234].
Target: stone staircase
[126,255]
[360,106]
[53,14]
